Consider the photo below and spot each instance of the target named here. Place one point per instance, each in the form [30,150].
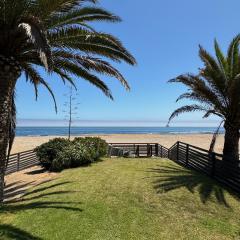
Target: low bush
[74,155]
[47,152]
[98,145]
[59,153]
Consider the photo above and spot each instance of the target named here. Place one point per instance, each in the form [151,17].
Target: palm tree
[216,92]
[54,36]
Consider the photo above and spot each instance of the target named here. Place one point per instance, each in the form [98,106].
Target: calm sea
[62,131]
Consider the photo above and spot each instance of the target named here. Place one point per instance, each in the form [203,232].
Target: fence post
[213,159]
[137,151]
[177,151]
[151,147]
[156,150]
[18,161]
[148,150]
[110,147]
[161,152]
[187,154]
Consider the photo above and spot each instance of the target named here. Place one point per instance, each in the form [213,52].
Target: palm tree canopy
[55,35]
[215,89]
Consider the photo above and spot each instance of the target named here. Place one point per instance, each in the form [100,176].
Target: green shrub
[59,153]
[98,145]
[47,152]
[74,155]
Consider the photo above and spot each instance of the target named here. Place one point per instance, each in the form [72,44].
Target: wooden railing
[21,161]
[137,150]
[210,163]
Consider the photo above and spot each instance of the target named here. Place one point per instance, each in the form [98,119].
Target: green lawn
[124,199]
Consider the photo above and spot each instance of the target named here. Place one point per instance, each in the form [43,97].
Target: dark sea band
[63,131]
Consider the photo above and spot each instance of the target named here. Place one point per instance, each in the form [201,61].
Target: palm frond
[213,72]
[79,72]
[213,112]
[233,58]
[79,39]
[46,8]
[195,97]
[92,64]
[38,38]
[197,85]
[222,61]
[185,109]
[64,76]
[37,80]
[81,16]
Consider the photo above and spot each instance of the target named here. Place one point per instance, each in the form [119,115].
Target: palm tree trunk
[231,145]
[9,73]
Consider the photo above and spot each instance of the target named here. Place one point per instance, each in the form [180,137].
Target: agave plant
[54,36]
[215,89]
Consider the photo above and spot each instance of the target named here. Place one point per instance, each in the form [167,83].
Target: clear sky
[164,36]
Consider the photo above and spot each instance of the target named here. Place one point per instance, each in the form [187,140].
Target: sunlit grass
[124,199]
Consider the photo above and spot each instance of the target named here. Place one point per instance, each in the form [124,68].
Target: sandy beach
[200,140]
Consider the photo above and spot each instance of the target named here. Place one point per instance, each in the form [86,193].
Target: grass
[124,199]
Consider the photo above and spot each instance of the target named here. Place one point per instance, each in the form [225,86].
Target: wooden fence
[21,161]
[137,150]
[207,162]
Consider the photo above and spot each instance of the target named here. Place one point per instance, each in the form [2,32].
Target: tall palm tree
[54,36]
[216,91]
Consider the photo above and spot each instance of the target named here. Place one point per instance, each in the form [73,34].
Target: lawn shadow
[38,199]
[15,190]
[38,171]
[10,232]
[175,177]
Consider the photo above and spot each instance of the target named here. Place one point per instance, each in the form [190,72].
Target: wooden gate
[137,150]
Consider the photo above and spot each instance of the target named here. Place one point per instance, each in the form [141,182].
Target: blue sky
[164,37]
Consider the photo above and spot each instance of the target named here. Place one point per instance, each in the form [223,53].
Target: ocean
[63,131]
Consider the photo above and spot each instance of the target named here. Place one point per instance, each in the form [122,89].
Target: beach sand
[200,140]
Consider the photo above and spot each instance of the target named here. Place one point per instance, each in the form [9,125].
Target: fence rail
[210,163]
[21,161]
[137,150]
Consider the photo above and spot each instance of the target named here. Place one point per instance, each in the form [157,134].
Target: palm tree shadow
[174,177]
[10,232]
[41,198]
[15,191]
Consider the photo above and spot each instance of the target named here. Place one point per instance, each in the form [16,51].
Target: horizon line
[114,123]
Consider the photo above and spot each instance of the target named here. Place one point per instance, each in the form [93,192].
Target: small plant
[47,152]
